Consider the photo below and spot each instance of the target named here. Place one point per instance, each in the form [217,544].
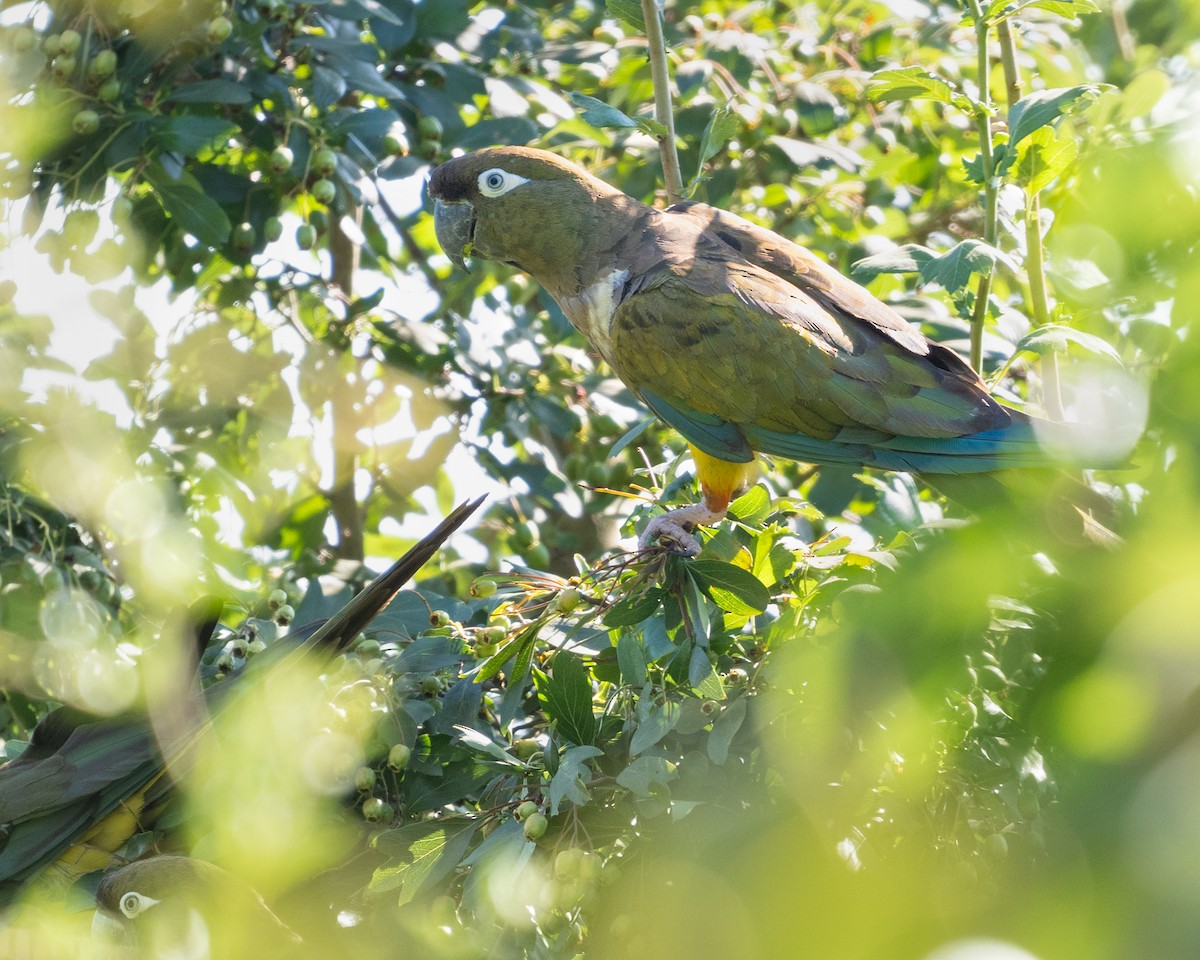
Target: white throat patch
[592,311]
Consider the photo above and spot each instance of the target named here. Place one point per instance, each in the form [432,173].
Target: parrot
[739,339]
[81,787]
[172,906]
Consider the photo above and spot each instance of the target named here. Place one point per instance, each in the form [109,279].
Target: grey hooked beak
[454,226]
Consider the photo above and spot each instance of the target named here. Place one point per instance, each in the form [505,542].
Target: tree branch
[344,255]
[663,113]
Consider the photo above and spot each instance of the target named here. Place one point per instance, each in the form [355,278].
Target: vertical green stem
[663,112]
[1035,255]
[344,257]
[988,162]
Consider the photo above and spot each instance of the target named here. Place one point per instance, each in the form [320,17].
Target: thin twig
[988,162]
[659,73]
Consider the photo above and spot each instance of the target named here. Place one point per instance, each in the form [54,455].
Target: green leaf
[571,778]
[1043,107]
[1055,338]
[428,852]
[657,724]
[190,134]
[703,677]
[1043,157]
[772,560]
[654,128]
[520,646]
[631,659]
[731,588]
[724,729]
[210,91]
[913,83]
[600,114]
[632,610]
[644,772]
[722,125]
[1003,9]
[753,506]
[953,269]
[485,744]
[628,12]
[908,258]
[191,210]
[567,693]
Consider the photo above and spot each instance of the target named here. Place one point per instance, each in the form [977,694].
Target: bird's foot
[673,530]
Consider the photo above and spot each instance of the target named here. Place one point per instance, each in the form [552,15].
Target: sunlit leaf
[1044,106]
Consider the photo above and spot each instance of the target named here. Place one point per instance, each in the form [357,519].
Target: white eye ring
[495,182]
[133,903]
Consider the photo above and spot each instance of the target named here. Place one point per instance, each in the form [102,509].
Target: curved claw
[673,530]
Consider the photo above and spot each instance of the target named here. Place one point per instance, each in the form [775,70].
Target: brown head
[529,208]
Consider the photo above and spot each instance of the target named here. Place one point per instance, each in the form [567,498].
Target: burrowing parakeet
[79,791]
[736,337]
[171,906]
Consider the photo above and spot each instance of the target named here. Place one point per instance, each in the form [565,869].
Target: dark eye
[495,180]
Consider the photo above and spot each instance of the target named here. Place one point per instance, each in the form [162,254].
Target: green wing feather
[796,361]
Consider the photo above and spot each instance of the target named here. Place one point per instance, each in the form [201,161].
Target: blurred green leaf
[1044,106]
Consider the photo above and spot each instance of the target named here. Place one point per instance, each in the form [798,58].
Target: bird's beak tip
[454,226]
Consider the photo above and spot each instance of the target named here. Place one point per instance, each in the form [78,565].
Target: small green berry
[430,128]
[568,863]
[364,779]
[86,122]
[272,231]
[368,647]
[243,236]
[69,41]
[281,159]
[567,600]
[23,39]
[52,45]
[324,191]
[483,588]
[526,747]
[109,90]
[306,236]
[494,634]
[324,162]
[396,145]
[219,29]
[255,647]
[277,598]
[284,615]
[535,826]
[102,65]
[63,66]
[399,757]
[431,685]
[439,618]
[377,811]
[525,810]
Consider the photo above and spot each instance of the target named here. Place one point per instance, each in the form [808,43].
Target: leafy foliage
[853,704]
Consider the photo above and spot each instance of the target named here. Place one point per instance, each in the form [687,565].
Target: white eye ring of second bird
[497,182]
[134,903]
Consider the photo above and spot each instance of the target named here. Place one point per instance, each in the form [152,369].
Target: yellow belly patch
[721,479]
